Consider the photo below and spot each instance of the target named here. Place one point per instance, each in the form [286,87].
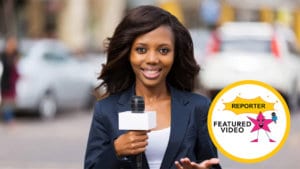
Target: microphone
[137,119]
[138,106]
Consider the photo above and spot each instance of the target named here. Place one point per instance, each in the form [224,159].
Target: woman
[151,55]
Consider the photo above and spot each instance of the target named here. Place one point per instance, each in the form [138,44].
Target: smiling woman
[151,55]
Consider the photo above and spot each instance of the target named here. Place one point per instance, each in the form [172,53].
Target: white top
[156,148]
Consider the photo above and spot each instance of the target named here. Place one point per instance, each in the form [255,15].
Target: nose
[152,57]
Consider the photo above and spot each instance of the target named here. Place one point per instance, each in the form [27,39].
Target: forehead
[162,34]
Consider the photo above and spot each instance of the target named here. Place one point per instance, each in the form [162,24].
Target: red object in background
[275,47]
[213,44]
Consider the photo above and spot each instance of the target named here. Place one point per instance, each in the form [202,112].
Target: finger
[186,160]
[141,144]
[135,136]
[186,163]
[178,166]
[135,151]
[137,145]
[135,139]
[136,148]
[141,138]
[140,132]
[210,162]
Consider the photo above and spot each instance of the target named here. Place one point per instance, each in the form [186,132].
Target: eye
[164,51]
[141,50]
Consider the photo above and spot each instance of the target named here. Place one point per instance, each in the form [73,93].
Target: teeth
[151,73]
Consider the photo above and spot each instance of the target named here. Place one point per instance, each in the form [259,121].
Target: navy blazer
[188,138]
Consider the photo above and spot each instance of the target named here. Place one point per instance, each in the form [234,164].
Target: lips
[151,73]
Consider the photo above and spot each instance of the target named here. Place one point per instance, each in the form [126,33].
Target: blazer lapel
[124,105]
[180,113]
[124,100]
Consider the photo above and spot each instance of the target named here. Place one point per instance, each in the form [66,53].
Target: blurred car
[200,38]
[1,72]
[52,80]
[251,50]
[92,64]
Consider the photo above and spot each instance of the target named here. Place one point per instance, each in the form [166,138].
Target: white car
[51,80]
[251,51]
[1,72]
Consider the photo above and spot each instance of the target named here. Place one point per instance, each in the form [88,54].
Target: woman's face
[152,56]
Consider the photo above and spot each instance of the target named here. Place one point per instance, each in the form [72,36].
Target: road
[60,144]
[35,144]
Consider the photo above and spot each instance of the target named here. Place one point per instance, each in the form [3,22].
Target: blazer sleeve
[205,149]
[100,152]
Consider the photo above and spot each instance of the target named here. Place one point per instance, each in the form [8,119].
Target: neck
[151,94]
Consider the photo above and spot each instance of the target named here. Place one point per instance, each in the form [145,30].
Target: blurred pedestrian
[10,75]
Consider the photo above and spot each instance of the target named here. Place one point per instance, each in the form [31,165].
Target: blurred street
[34,144]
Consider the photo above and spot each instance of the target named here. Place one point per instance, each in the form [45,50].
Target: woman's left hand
[185,163]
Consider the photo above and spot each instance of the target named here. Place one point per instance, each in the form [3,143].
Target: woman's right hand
[131,143]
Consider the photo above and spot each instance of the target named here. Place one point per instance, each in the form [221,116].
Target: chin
[151,83]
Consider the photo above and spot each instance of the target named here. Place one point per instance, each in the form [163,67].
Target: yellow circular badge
[248,121]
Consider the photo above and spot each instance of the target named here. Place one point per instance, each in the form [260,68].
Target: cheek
[169,62]
[134,60]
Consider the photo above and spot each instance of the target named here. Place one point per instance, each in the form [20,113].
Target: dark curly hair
[117,74]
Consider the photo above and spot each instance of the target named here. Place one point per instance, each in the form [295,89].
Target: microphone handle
[139,161]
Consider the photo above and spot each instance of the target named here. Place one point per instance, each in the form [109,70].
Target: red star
[260,123]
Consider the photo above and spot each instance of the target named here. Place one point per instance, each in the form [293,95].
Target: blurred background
[60,46]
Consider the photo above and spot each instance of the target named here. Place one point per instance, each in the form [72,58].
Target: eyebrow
[163,44]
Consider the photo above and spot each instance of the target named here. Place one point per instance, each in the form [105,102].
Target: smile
[151,73]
